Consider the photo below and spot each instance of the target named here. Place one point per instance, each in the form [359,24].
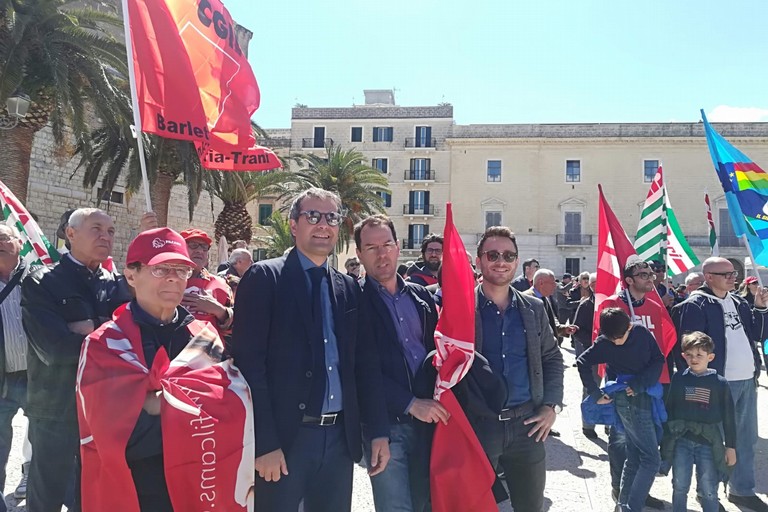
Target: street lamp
[17,106]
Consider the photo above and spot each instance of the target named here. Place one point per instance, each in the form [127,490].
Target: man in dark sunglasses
[352,266]
[735,327]
[315,382]
[515,336]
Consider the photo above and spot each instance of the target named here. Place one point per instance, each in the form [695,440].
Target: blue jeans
[405,472]
[617,456]
[643,458]
[744,392]
[688,453]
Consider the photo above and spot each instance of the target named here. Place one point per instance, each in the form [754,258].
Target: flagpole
[752,259]
[135,103]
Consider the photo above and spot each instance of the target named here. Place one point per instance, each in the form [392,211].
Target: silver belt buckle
[500,415]
[330,417]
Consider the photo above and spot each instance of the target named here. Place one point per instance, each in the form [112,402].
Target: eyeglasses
[493,256]
[163,271]
[436,252]
[353,265]
[644,275]
[314,216]
[374,249]
[727,275]
[193,246]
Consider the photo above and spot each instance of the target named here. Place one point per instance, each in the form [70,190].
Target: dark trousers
[15,398]
[55,446]
[319,474]
[523,459]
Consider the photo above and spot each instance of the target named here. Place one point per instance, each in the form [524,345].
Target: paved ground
[577,468]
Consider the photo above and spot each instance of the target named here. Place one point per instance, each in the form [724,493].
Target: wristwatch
[555,407]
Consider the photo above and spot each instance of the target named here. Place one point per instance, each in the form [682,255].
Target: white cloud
[728,114]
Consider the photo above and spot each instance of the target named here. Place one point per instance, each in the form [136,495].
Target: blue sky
[513,61]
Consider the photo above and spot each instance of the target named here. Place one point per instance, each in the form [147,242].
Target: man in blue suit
[316,385]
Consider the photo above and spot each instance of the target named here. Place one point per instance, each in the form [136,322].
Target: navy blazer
[376,323]
[271,345]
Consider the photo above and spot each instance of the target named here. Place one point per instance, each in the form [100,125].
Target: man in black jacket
[401,318]
[315,383]
[60,306]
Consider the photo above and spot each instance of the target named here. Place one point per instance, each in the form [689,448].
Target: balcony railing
[312,142]
[573,239]
[419,209]
[412,244]
[697,240]
[420,142]
[419,175]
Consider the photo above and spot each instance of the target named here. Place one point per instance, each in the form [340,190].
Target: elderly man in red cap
[207,296]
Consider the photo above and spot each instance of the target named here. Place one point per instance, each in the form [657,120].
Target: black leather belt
[324,420]
[516,412]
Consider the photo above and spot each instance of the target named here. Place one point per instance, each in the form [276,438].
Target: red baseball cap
[750,280]
[192,233]
[160,245]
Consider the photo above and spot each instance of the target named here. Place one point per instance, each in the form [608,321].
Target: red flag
[613,251]
[206,420]
[255,158]
[460,474]
[193,80]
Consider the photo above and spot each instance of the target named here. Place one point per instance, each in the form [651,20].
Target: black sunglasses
[314,216]
[493,256]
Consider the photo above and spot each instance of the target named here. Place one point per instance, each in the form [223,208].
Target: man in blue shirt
[316,385]
[514,334]
[400,317]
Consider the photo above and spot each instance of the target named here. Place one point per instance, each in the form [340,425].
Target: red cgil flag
[613,251]
[460,474]
[193,80]
[255,158]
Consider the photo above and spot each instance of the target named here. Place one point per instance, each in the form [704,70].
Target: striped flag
[659,236]
[697,394]
[712,233]
[35,248]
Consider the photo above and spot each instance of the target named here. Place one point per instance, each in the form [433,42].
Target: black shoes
[750,502]
[650,501]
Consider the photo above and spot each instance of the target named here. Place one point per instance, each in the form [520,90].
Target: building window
[259,254]
[494,171]
[380,164]
[111,196]
[416,233]
[318,135]
[265,212]
[572,226]
[357,134]
[649,170]
[387,197]
[573,171]
[382,133]
[572,266]
[423,137]
[492,218]
[418,202]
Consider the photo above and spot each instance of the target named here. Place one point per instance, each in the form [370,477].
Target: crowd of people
[338,366]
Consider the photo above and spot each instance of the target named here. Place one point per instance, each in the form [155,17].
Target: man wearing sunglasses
[207,296]
[315,382]
[514,334]
[735,327]
[639,280]
[352,266]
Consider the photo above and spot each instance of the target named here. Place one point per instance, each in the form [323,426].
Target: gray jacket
[545,361]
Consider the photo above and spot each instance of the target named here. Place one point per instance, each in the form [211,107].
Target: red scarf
[206,420]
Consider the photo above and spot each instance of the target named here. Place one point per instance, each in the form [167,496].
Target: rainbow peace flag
[746,191]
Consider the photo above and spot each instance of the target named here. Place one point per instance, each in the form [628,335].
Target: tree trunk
[16,151]
[160,194]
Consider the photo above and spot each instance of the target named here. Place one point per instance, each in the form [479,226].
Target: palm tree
[346,173]
[279,238]
[69,64]
[236,190]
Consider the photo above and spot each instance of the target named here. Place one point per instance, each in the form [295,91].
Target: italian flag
[659,236]
[714,246]
[35,249]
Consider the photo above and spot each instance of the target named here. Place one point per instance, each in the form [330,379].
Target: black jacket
[272,347]
[376,323]
[51,297]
